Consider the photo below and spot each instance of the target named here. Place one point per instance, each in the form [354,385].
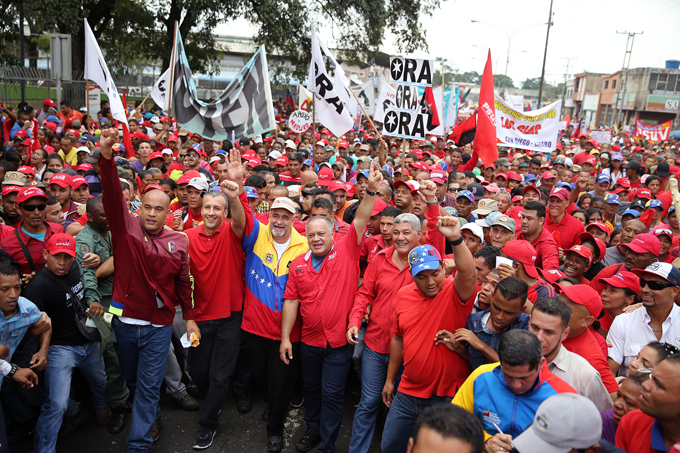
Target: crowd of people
[528,305]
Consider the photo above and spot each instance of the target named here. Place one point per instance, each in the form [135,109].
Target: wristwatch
[434,203]
[14,369]
[373,194]
[457,241]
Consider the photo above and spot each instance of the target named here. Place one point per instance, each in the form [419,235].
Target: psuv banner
[331,111]
[536,130]
[653,133]
[245,108]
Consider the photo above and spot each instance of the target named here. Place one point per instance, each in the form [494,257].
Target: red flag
[467,125]
[485,136]
[429,107]
[577,132]
[124,98]
[127,143]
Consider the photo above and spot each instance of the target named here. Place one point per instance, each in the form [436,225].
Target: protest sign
[386,100]
[601,137]
[653,133]
[300,121]
[536,130]
[411,71]
[406,124]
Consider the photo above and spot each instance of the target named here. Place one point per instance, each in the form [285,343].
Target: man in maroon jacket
[152,277]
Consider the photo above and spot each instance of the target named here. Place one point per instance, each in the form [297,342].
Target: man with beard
[403,194]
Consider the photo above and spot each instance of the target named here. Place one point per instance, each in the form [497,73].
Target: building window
[613,84]
[606,84]
[661,84]
[576,83]
[608,120]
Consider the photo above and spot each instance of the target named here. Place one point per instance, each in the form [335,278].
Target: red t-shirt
[569,228]
[189,219]
[430,369]
[639,433]
[326,295]
[586,346]
[216,263]
[380,285]
[371,246]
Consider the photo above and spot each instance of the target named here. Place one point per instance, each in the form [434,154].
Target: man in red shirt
[585,305]
[432,373]
[532,221]
[292,177]
[655,426]
[192,218]
[524,256]
[215,252]
[322,286]
[387,273]
[558,220]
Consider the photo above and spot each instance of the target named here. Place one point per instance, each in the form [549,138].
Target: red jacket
[148,266]
[11,245]
[546,247]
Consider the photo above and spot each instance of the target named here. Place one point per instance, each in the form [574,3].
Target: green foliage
[134,33]
[502,81]
[531,84]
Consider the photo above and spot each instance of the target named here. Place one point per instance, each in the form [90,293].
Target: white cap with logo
[563,422]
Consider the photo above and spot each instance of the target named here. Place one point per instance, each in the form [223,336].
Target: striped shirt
[12,330]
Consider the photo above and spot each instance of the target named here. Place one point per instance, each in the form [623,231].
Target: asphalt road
[237,432]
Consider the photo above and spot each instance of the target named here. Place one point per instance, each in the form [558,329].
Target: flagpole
[87,97]
[314,117]
[403,159]
[172,76]
[361,104]
[443,120]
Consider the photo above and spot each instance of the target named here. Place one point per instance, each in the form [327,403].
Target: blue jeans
[324,372]
[143,352]
[374,367]
[60,364]
[401,419]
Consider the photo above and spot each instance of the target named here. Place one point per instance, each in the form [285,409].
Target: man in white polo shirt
[657,320]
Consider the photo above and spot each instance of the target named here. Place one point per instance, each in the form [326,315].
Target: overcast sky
[583,30]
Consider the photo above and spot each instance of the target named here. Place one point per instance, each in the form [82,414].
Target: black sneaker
[308,440]
[275,444]
[244,405]
[265,414]
[204,439]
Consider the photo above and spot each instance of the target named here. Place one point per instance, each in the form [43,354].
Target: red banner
[653,133]
[485,136]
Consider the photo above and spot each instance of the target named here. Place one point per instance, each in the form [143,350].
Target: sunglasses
[192,154]
[654,286]
[33,207]
[452,190]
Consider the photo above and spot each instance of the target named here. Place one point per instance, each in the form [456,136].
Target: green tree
[449,73]
[468,77]
[133,33]
[500,81]
[531,84]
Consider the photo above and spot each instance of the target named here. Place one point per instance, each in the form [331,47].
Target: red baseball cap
[400,182]
[623,182]
[516,198]
[140,135]
[591,161]
[254,161]
[27,142]
[559,192]
[10,189]
[156,155]
[61,179]
[601,246]
[501,175]
[26,170]
[530,187]
[584,295]
[437,177]
[343,144]
[624,279]
[548,175]
[583,251]
[421,166]
[514,176]
[83,167]
[643,243]
[29,192]
[78,181]
[151,187]
[552,275]
[50,125]
[378,207]
[173,138]
[336,185]
[192,174]
[283,161]
[601,226]
[184,179]
[21,133]
[525,253]
[657,232]
[49,103]
[325,176]
[61,243]
[644,193]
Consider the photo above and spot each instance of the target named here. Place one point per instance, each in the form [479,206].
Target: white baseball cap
[283,203]
[274,155]
[83,149]
[199,183]
[290,144]
[563,422]
[474,229]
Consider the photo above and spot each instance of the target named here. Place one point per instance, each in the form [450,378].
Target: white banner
[411,71]
[330,109]
[601,137]
[536,130]
[299,121]
[340,81]
[386,100]
[366,93]
[160,88]
[97,71]
[516,101]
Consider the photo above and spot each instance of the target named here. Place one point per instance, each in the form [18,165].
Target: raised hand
[374,178]
[107,139]
[428,189]
[235,170]
[449,227]
[230,189]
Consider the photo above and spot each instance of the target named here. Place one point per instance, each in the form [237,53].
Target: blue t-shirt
[40,237]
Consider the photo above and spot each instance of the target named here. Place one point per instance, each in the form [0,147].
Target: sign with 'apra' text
[411,71]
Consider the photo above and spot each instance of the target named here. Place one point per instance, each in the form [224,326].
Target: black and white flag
[245,108]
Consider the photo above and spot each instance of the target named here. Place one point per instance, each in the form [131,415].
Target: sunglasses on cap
[33,207]
[654,285]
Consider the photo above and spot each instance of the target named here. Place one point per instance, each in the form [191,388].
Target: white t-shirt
[630,332]
[280,249]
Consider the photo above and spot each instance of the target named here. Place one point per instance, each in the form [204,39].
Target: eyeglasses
[33,207]
[654,285]
[192,154]
[182,155]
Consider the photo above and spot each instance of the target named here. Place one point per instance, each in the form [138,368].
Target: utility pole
[545,55]
[566,74]
[21,52]
[619,115]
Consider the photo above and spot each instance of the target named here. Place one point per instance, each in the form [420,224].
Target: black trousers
[212,362]
[275,379]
